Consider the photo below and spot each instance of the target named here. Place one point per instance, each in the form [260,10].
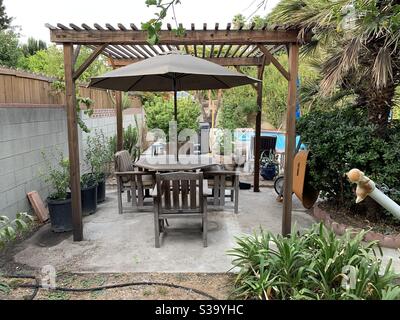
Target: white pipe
[366,187]
[386,202]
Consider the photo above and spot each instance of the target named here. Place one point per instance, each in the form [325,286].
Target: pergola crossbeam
[209,37]
[274,61]
[88,62]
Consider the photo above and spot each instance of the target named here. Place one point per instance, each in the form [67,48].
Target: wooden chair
[179,195]
[220,180]
[136,183]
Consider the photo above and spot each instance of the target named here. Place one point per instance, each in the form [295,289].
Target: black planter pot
[268,172]
[89,200]
[101,191]
[60,212]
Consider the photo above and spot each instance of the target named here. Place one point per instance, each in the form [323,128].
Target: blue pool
[280,141]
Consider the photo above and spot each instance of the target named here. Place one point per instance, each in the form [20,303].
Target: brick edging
[387,241]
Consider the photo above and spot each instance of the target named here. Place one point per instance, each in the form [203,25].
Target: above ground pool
[280,138]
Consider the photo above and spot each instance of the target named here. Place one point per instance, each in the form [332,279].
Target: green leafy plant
[159,112]
[153,26]
[88,180]
[130,142]
[10,229]
[343,139]
[57,175]
[315,265]
[98,154]
[10,52]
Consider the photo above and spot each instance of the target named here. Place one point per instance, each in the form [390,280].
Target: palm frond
[382,70]
[339,64]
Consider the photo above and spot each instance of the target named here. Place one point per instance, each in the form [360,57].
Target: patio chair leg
[232,192]
[156,226]
[133,190]
[119,188]
[128,196]
[205,225]
[236,196]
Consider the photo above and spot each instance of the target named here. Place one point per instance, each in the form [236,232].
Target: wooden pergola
[228,47]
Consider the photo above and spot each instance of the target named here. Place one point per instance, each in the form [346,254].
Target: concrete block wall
[24,134]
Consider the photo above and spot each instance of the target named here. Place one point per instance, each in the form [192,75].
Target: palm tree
[358,44]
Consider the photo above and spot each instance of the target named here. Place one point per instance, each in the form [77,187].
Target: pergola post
[290,141]
[120,127]
[73,144]
[257,139]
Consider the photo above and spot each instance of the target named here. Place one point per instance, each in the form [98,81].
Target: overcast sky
[31,15]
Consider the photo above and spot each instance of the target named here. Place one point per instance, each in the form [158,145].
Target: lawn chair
[136,183]
[220,180]
[179,195]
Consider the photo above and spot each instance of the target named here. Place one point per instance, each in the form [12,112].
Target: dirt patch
[386,226]
[217,285]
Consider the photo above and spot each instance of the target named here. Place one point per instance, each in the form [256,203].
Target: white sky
[32,15]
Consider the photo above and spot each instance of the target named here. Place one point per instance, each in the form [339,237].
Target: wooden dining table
[169,163]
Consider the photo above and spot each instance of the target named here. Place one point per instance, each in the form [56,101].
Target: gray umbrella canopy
[171,72]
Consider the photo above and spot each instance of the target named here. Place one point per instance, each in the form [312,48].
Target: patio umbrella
[171,72]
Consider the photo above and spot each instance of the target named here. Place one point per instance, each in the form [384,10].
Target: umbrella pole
[176,117]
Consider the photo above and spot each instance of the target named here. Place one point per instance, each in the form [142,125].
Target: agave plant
[357,44]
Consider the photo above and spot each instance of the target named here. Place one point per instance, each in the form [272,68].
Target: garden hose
[38,286]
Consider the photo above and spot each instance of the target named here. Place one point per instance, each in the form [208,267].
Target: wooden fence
[19,88]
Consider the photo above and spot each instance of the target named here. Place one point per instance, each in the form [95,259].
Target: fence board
[19,87]
[2,90]
[8,84]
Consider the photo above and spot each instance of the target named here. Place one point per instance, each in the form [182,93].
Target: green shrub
[130,143]
[343,139]
[98,154]
[58,176]
[314,265]
[237,104]
[160,112]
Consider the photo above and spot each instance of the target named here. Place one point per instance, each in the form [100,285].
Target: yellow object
[364,184]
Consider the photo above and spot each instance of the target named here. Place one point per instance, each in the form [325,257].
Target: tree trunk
[378,103]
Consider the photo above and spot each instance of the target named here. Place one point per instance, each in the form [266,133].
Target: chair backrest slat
[184,185]
[175,193]
[185,191]
[167,194]
[193,192]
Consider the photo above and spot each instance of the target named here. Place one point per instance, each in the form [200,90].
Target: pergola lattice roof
[124,45]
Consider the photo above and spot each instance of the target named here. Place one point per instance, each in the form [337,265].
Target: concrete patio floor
[125,243]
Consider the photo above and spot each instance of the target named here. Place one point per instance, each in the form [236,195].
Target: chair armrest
[221,173]
[131,173]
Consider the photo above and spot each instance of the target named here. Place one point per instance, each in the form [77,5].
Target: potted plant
[59,201]
[269,165]
[98,155]
[89,186]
